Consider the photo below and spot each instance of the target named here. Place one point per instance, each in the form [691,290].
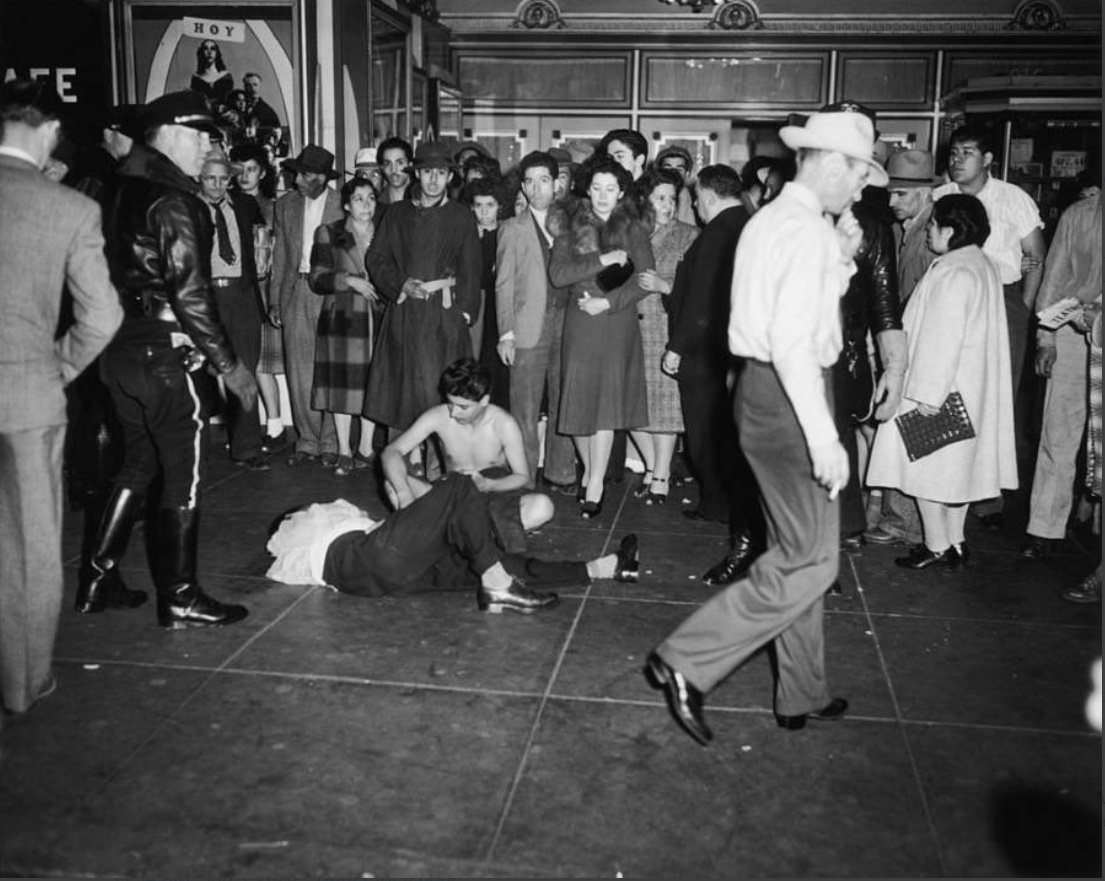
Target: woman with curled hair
[346,323]
[958,342]
[659,190]
[600,248]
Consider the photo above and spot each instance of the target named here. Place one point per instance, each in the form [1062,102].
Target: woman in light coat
[958,341]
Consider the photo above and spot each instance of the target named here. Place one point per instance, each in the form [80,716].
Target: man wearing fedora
[425,261]
[792,265]
[912,178]
[237,293]
[158,245]
[293,305]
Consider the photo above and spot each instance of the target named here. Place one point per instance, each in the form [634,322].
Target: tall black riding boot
[180,600]
[108,524]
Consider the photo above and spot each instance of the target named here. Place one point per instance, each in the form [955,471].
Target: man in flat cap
[912,178]
[49,236]
[792,265]
[159,235]
[425,261]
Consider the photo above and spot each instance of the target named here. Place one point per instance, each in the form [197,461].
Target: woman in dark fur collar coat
[600,247]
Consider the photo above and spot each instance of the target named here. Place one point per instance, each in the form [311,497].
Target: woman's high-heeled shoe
[646,486]
[590,510]
[657,498]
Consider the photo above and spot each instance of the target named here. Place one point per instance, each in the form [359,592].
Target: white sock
[275,427]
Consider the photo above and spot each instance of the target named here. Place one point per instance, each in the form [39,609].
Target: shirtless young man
[480,440]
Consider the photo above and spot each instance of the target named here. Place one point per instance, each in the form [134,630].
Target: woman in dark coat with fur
[600,247]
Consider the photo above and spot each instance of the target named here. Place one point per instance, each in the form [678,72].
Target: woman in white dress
[958,341]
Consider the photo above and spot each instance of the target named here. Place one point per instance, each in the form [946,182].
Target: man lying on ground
[442,540]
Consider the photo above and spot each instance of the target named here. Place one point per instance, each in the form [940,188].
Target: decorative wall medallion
[538,15]
[737,15]
[1037,15]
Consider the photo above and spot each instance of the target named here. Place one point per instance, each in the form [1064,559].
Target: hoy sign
[215,29]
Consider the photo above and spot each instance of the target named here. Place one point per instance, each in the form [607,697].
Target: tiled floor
[334,736]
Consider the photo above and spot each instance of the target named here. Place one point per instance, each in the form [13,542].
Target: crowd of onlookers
[595,291]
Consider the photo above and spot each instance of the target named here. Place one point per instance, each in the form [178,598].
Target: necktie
[226,250]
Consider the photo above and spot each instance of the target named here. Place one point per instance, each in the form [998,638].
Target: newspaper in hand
[1060,313]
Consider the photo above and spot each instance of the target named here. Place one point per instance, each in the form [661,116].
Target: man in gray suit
[292,303]
[50,236]
[531,321]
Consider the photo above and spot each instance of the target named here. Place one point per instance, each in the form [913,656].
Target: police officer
[159,235]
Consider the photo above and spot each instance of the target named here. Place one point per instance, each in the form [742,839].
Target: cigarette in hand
[834,491]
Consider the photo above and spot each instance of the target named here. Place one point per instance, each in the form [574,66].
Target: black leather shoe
[516,598]
[684,700]
[960,554]
[921,558]
[734,564]
[628,565]
[1037,548]
[188,606]
[835,589]
[832,712]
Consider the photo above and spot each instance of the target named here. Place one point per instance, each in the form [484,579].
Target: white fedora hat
[840,132]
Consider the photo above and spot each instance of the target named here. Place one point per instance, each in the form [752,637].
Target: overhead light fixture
[696,5]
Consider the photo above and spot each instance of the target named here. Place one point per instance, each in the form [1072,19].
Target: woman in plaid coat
[346,324]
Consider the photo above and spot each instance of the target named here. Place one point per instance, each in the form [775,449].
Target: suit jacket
[287,245]
[522,281]
[50,236]
[699,305]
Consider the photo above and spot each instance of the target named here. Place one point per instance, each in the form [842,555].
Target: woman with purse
[670,240]
[345,325]
[599,249]
[951,441]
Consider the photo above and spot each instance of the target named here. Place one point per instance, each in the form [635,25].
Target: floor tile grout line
[934,833]
[168,719]
[409,685]
[516,781]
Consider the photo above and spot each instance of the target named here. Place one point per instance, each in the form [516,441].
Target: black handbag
[923,435]
[614,276]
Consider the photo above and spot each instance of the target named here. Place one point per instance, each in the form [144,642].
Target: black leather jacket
[159,237]
[871,303]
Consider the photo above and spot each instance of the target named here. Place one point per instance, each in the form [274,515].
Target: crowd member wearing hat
[912,178]
[97,165]
[869,308]
[395,157]
[790,270]
[365,165]
[467,150]
[48,234]
[237,292]
[679,160]
[257,178]
[425,262]
[292,304]
[159,254]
